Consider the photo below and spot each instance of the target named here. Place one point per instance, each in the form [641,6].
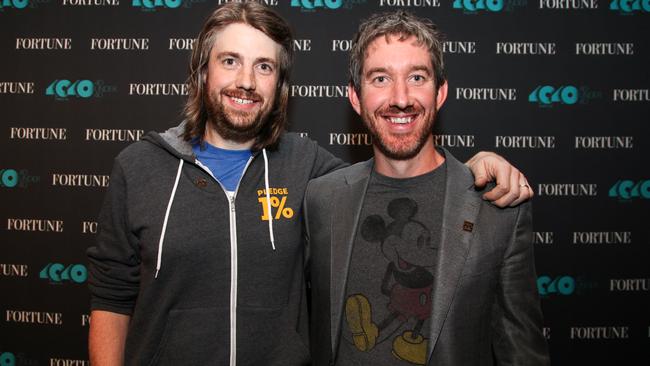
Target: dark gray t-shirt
[388,297]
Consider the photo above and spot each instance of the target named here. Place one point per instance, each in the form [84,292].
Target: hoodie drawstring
[164,228]
[268,197]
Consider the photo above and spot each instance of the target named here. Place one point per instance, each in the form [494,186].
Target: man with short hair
[199,256]
[408,265]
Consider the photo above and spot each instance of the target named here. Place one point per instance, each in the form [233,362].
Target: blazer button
[201,182]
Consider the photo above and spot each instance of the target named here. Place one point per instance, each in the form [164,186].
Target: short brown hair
[268,22]
[399,23]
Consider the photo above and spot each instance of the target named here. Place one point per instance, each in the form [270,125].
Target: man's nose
[246,79]
[399,94]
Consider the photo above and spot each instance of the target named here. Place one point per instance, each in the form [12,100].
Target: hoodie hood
[172,141]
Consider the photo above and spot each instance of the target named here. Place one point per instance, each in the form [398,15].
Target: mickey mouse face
[405,242]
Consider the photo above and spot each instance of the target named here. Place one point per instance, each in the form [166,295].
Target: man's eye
[380,79]
[228,61]
[266,68]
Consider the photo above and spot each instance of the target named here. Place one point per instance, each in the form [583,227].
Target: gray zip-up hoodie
[196,270]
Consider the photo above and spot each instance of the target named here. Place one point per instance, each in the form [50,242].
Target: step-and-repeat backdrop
[558,87]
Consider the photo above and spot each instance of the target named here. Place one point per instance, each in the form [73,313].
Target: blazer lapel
[346,211]
[459,215]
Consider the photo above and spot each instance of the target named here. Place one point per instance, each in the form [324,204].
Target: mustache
[242,94]
[398,110]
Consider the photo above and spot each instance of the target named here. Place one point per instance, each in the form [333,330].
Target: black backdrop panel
[558,87]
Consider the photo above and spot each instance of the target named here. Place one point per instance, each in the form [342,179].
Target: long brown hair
[268,22]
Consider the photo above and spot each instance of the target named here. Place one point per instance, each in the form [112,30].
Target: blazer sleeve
[518,316]
[114,261]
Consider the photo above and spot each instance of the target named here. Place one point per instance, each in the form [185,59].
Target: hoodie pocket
[194,337]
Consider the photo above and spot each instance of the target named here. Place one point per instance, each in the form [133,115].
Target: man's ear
[202,76]
[354,99]
[442,95]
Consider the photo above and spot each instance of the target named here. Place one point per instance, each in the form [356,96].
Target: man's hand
[512,187]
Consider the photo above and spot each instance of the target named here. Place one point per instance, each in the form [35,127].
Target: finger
[523,196]
[531,192]
[502,174]
[479,170]
[525,193]
[514,192]
[474,159]
[480,164]
[480,181]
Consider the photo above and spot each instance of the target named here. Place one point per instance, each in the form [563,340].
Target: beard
[234,125]
[399,146]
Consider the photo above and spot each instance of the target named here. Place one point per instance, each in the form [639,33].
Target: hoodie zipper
[233,277]
[233,258]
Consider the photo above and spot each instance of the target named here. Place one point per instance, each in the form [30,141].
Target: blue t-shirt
[226,165]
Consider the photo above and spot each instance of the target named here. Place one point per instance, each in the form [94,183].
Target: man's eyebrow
[236,55]
[422,68]
[228,53]
[267,60]
[375,70]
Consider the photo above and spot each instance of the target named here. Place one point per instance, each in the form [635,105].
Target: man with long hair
[199,256]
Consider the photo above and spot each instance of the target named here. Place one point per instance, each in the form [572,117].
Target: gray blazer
[485,306]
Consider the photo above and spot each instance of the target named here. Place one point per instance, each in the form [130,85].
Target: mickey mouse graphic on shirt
[407,282]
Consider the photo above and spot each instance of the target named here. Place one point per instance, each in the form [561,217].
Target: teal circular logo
[9,179]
